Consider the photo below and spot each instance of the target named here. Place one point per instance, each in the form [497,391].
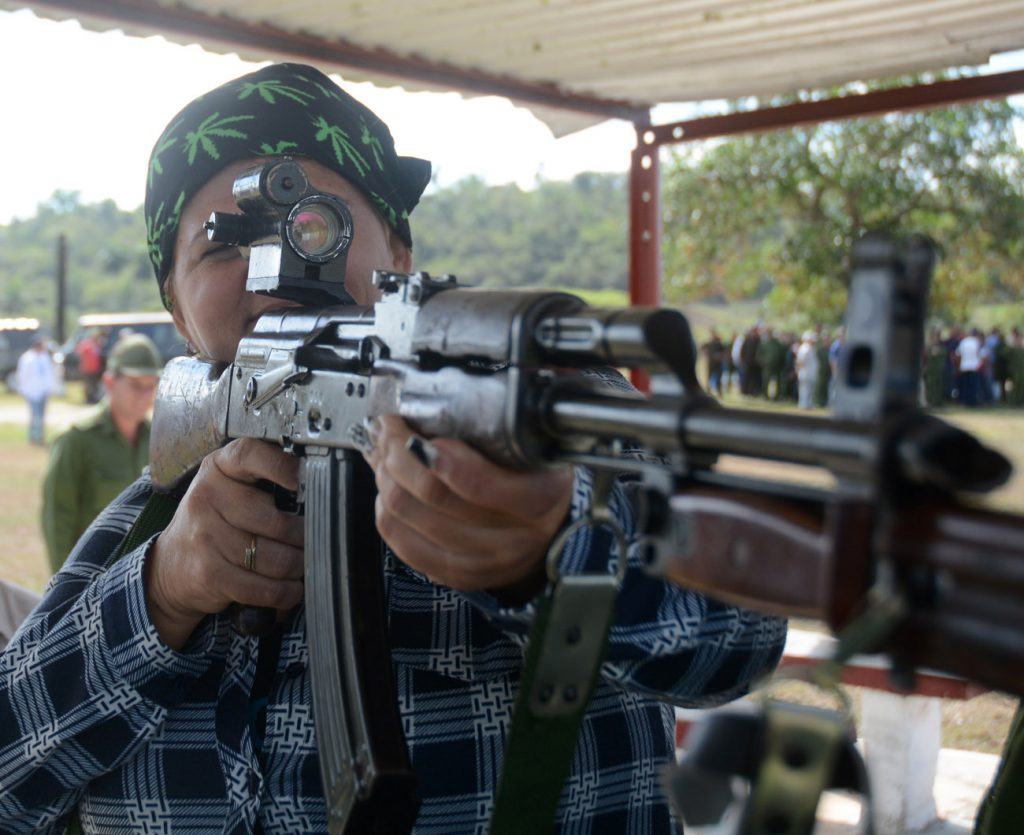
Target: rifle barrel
[700,426]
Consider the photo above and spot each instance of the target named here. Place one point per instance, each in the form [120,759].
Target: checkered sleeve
[86,681]
[667,641]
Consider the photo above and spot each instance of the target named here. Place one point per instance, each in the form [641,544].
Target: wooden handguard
[961,570]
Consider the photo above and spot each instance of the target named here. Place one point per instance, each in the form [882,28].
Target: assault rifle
[507,372]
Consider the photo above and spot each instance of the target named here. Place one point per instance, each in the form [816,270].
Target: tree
[783,208]
[107,268]
[560,234]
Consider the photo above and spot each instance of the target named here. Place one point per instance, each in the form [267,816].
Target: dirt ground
[977,725]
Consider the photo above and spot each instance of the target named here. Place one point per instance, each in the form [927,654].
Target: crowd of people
[968,366]
[961,365]
[773,364]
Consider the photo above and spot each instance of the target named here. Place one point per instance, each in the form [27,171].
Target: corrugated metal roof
[639,53]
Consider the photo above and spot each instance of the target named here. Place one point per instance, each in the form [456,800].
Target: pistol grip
[256,621]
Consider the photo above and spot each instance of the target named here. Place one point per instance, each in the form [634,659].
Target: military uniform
[1015,372]
[821,383]
[935,375]
[771,354]
[93,461]
[90,465]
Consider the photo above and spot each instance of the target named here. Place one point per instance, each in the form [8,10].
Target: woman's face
[211,307]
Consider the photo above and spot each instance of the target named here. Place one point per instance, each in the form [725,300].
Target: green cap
[135,355]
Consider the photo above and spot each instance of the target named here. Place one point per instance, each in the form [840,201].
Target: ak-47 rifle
[506,371]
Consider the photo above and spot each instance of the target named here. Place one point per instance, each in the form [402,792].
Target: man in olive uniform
[824,378]
[105,451]
[771,354]
[935,370]
[1015,368]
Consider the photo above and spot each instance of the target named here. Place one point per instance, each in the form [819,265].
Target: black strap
[155,516]
[266,666]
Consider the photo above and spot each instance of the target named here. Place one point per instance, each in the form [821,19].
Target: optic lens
[315,230]
[319,228]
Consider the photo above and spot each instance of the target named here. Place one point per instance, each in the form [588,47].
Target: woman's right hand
[196,566]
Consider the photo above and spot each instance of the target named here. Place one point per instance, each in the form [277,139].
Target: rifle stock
[190,420]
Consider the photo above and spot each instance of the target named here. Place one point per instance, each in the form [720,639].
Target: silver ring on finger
[249,560]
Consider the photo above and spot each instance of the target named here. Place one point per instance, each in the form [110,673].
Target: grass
[23,558]
[979,725]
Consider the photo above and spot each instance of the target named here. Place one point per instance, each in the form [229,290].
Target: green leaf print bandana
[282,109]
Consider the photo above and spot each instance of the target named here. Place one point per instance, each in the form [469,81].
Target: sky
[82,110]
[97,102]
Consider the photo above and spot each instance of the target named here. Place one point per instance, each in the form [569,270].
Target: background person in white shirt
[807,369]
[35,384]
[969,358]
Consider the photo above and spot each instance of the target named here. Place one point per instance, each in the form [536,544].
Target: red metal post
[644,228]
[645,220]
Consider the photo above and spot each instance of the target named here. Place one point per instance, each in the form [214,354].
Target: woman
[151,707]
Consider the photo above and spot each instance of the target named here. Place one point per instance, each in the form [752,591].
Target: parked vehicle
[158,326]
[16,336]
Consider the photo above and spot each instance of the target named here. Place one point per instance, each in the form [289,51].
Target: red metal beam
[231,32]
[644,223]
[916,97]
[644,231]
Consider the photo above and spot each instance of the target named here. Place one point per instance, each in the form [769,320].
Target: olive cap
[135,355]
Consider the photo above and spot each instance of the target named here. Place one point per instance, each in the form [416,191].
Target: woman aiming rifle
[130,698]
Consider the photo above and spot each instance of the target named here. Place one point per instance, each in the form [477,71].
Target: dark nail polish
[424,451]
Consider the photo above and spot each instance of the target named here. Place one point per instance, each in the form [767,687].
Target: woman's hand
[462,520]
[197,565]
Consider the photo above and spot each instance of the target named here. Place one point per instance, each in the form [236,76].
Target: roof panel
[652,52]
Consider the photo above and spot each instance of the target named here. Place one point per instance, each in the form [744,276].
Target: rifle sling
[566,646]
[802,747]
[155,516]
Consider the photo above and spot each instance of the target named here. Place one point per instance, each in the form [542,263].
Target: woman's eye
[221,252]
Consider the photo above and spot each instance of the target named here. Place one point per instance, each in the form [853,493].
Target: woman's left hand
[462,520]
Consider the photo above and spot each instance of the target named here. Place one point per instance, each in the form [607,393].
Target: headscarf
[283,109]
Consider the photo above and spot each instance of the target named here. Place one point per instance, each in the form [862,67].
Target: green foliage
[107,268]
[570,235]
[557,235]
[778,211]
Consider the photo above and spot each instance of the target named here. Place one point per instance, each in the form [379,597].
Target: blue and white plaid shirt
[96,711]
